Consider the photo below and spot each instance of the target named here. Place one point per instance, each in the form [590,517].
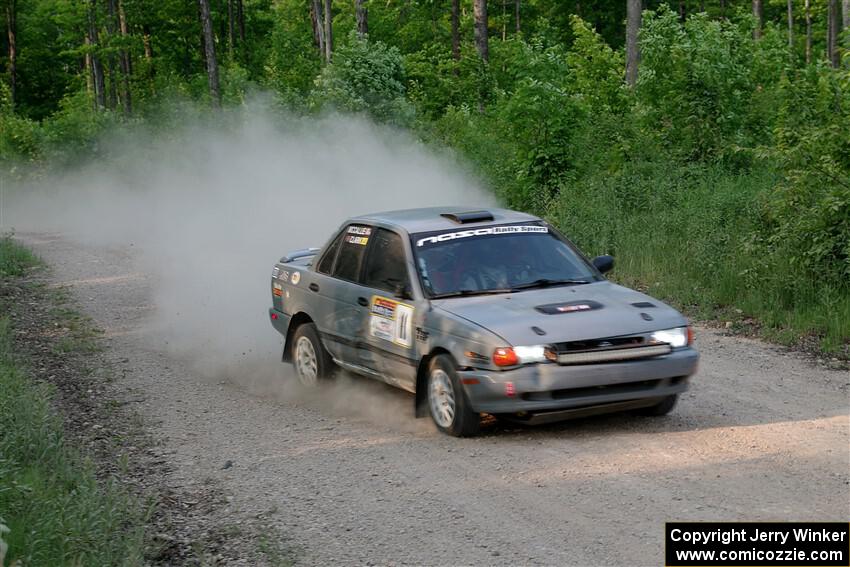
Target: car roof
[429,218]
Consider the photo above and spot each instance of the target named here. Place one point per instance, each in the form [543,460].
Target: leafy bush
[701,84]
[365,77]
[806,219]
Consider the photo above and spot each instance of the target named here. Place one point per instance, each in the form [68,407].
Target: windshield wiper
[546,282]
[466,292]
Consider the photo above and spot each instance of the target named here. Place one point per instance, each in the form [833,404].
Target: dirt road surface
[761,435]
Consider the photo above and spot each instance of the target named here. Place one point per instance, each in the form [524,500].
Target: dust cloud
[209,209]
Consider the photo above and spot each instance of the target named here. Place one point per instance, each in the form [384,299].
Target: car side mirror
[604,263]
[402,291]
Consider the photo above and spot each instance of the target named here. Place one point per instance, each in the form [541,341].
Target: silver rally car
[478,311]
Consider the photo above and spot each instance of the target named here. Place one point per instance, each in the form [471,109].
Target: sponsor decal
[488,231]
[275,272]
[421,334]
[391,321]
[361,230]
[284,275]
[361,240]
[295,278]
[277,289]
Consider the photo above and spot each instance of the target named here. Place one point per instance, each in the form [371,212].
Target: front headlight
[529,354]
[678,337]
[511,356]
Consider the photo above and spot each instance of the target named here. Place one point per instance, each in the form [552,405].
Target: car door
[389,336]
[340,312]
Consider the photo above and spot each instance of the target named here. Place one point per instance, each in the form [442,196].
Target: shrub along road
[349,476]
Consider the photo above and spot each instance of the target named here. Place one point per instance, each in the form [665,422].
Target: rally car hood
[560,314]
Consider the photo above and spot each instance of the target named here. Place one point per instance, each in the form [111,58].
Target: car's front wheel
[447,401]
[311,360]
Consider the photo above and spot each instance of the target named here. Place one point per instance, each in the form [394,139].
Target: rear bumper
[279,320]
[546,387]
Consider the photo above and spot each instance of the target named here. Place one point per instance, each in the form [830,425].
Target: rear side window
[386,268]
[351,253]
[326,265]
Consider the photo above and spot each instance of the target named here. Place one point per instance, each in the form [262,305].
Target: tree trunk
[240,20]
[96,67]
[683,11]
[456,29]
[209,53]
[231,27]
[845,16]
[479,15]
[517,4]
[504,20]
[833,30]
[361,14]
[790,24]
[111,28]
[808,32]
[318,25]
[723,9]
[146,42]
[633,14]
[126,63]
[12,33]
[329,32]
[757,13]
[89,78]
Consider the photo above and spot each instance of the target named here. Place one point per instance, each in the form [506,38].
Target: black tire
[663,407]
[322,365]
[461,421]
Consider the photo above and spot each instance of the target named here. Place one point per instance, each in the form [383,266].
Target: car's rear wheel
[447,401]
[663,407]
[311,360]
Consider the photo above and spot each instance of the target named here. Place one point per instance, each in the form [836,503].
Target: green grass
[679,232]
[56,510]
[14,258]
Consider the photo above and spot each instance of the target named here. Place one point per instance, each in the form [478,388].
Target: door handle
[363,301]
[314,286]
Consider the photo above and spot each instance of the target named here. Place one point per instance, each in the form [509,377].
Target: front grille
[613,354]
[598,344]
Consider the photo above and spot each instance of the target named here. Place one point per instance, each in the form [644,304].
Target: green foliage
[805,219]
[56,511]
[14,258]
[703,81]
[597,70]
[365,76]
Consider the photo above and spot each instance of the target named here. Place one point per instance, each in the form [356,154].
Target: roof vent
[469,216]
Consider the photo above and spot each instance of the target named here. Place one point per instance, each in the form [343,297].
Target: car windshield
[497,259]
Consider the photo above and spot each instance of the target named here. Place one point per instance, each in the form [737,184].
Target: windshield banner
[490,230]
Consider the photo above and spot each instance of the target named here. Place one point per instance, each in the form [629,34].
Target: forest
[705,144]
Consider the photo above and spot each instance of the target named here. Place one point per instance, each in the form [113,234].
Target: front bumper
[547,387]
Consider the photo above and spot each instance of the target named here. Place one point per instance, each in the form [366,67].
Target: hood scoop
[569,307]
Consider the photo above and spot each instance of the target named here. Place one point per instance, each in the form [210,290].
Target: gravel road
[348,476]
